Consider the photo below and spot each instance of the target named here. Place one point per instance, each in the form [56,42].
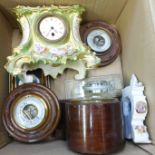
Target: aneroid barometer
[31,113]
[103,39]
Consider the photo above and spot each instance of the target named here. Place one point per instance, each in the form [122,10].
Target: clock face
[52,28]
[29,112]
[99,40]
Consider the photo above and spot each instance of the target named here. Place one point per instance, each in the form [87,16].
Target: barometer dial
[99,40]
[31,113]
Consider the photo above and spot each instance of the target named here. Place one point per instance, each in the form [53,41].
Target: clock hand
[55,31]
[48,32]
[32,112]
[27,114]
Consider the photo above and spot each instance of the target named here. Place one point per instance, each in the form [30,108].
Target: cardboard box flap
[138,41]
[5,48]
[95,9]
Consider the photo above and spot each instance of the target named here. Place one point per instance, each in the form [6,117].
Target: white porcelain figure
[24,78]
[135,110]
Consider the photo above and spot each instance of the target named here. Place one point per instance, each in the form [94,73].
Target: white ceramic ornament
[24,78]
[135,110]
[51,42]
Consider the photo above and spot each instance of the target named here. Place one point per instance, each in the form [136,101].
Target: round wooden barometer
[31,113]
[103,39]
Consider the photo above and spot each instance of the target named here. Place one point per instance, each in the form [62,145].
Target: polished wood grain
[46,128]
[111,54]
[94,127]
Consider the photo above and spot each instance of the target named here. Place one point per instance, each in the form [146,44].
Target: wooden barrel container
[94,126]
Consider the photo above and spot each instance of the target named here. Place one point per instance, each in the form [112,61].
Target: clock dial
[52,28]
[30,111]
[99,40]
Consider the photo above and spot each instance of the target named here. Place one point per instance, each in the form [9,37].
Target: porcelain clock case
[51,42]
[31,113]
[103,39]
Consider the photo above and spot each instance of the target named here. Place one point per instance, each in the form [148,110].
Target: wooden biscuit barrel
[94,126]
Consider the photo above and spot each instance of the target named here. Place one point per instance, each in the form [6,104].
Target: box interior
[135,22]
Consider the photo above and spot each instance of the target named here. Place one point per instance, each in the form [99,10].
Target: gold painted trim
[14,104]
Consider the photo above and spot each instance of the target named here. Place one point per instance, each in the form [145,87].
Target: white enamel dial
[99,40]
[29,112]
[52,28]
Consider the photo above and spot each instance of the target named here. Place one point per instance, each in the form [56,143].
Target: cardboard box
[135,20]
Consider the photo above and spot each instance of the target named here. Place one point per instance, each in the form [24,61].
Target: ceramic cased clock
[51,42]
